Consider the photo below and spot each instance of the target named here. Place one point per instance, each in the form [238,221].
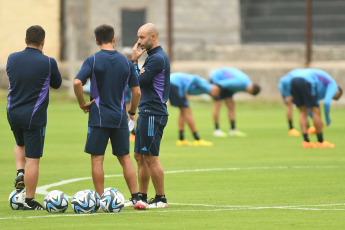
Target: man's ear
[97,43]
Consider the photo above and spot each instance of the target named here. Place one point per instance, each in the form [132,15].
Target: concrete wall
[18,15]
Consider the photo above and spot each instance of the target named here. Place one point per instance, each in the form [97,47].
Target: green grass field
[263,181]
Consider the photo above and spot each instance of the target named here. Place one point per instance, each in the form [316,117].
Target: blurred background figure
[288,101]
[182,85]
[308,87]
[231,81]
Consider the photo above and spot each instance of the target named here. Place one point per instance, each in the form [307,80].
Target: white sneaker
[219,133]
[155,203]
[129,204]
[141,205]
[236,133]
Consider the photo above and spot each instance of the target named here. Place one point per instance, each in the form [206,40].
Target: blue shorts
[302,93]
[176,99]
[149,134]
[97,140]
[32,139]
[224,94]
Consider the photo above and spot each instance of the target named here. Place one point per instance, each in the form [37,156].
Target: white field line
[43,190]
[234,208]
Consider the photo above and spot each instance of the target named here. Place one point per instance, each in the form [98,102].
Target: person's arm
[152,67]
[55,78]
[80,80]
[331,90]
[78,91]
[136,95]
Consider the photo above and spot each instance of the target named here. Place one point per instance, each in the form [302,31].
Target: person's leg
[303,119]
[317,119]
[215,113]
[143,173]
[156,172]
[186,113]
[19,156]
[129,173]
[180,123]
[31,176]
[98,173]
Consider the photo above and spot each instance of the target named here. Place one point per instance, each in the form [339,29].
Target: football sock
[160,197]
[20,171]
[232,123]
[143,196]
[290,124]
[319,137]
[305,137]
[181,135]
[196,136]
[135,196]
[133,131]
[29,201]
[216,125]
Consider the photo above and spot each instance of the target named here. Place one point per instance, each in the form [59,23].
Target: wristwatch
[130,113]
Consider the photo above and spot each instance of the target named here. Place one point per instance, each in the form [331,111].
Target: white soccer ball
[83,202]
[55,201]
[112,201]
[17,199]
[97,197]
[110,188]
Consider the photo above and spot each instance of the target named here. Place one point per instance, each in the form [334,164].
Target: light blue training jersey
[230,79]
[190,84]
[322,85]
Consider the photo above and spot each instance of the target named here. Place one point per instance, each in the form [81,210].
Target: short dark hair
[256,89]
[104,34]
[35,35]
[341,91]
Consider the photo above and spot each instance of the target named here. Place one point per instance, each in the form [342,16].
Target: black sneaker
[19,181]
[35,206]
[158,203]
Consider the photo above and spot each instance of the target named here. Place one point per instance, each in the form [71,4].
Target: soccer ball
[83,202]
[17,199]
[112,201]
[56,201]
[97,197]
[110,188]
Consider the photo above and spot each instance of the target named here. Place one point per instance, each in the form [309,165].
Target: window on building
[285,21]
[131,21]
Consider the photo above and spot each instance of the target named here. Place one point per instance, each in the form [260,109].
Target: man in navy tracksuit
[154,80]
[109,72]
[30,74]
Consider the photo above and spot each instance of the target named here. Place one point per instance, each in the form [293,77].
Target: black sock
[232,123]
[319,137]
[216,125]
[305,137]
[143,196]
[196,136]
[133,131]
[160,197]
[181,135]
[136,196]
[290,124]
[20,171]
[29,201]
